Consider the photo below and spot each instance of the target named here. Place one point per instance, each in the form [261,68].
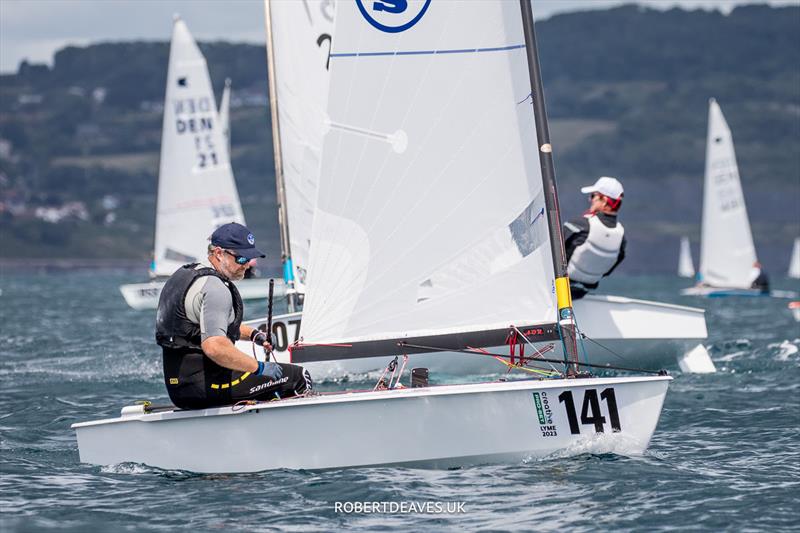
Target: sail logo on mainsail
[393,16]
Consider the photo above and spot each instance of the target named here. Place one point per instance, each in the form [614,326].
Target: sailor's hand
[270,370]
[263,339]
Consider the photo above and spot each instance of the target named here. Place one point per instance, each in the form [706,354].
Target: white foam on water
[601,443]
[785,350]
[730,356]
[128,469]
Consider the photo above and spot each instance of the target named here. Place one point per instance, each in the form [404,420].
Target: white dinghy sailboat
[619,330]
[727,253]
[464,75]
[685,263]
[196,189]
[794,261]
[794,273]
[225,114]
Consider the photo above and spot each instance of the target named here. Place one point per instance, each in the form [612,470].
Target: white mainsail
[794,262]
[726,253]
[685,264]
[196,189]
[225,113]
[300,41]
[430,217]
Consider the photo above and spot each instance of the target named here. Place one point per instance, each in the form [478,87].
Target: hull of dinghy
[444,426]
[723,292]
[145,295]
[620,332]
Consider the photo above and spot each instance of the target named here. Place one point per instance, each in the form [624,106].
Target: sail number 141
[591,415]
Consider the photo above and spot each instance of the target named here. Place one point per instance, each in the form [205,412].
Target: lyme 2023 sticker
[591,413]
[545,414]
[393,16]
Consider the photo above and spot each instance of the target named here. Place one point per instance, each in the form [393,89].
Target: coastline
[65,263]
[41,263]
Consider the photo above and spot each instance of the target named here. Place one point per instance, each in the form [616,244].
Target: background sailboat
[225,113]
[196,189]
[794,261]
[794,273]
[685,263]
[727,254]
[298,43]
[460,58]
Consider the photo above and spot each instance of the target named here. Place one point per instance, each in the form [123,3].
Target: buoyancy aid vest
[174,330]
[595,256]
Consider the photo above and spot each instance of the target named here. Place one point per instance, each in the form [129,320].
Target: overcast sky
[35,29]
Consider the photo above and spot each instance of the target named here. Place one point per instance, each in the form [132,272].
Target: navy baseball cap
[237,238]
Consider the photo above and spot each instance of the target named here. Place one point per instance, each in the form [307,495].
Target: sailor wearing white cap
[595,243]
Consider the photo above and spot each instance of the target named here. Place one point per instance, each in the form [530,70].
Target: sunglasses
[240,260]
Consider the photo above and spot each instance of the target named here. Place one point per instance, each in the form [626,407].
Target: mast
[563,295]
[280,186]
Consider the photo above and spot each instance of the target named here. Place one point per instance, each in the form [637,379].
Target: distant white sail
[225,113]
[794,262]
[430,214]
[726,253]
[196,189]
[685,263]
[301,41]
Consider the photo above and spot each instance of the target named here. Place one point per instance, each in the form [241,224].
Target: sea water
[725,455]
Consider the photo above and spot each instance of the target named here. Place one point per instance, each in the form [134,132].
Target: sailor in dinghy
[199,319]
[760,278]
[595,243]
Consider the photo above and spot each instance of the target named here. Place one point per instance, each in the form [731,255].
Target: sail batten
[502,48]
[430,214]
